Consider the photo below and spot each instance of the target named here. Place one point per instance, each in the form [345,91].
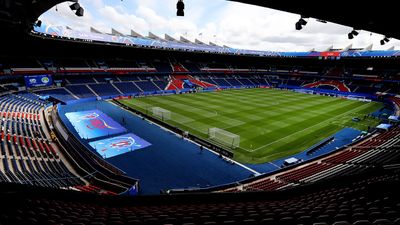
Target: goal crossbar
[161,113]
[224,137]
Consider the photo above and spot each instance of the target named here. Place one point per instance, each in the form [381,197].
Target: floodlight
[75,6]
[80,11]
[302,21]
[385,40]
[38,23]
[180,6]
[352,34]
[298,26]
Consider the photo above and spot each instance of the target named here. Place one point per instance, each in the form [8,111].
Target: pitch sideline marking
[325,121]
[234,161]
[253,150]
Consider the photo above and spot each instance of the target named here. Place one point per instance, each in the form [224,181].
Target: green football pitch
[271,123]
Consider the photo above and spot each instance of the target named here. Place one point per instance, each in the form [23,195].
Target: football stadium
[119,127]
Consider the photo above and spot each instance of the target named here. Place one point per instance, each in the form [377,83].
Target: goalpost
[161,113]
[224,137]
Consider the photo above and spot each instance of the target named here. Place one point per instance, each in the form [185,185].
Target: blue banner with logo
[38,81]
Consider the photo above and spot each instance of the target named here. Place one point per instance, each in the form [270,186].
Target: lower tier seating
[368,199]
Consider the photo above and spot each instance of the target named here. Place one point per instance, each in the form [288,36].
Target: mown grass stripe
[284,122]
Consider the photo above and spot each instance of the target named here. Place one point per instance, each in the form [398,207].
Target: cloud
[231,23]
[122,21]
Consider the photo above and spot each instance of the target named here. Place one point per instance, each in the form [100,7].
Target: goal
[163,114]
[224,137]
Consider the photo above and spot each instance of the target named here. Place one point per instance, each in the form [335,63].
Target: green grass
[271,123]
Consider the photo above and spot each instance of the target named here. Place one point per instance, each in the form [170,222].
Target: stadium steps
[119,80]
[71,93]
[80,90]
[226,80]
[201,83]
[176,80]
[251,81]
[116,88]
[177,67]
[92,90]
[174,85]
[137,86]
[95,80]
[245,81]
[67,81]
[159,89]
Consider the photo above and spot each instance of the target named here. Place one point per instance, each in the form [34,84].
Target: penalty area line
[307,128]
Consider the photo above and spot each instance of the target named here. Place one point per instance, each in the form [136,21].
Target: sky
[223,22]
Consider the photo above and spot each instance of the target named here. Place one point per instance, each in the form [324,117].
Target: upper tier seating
[128,87]
[161,84]
[80,80]
[221,82]
[81,91]
[234,82]
[192,67]
[130,78]
[104,89]
[147,86]
[163,67]
[246,81]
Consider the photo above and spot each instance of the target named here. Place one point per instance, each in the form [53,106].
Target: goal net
[161,113]
[224,137]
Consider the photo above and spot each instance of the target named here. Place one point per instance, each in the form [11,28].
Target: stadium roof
[379,17]
[22,13]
